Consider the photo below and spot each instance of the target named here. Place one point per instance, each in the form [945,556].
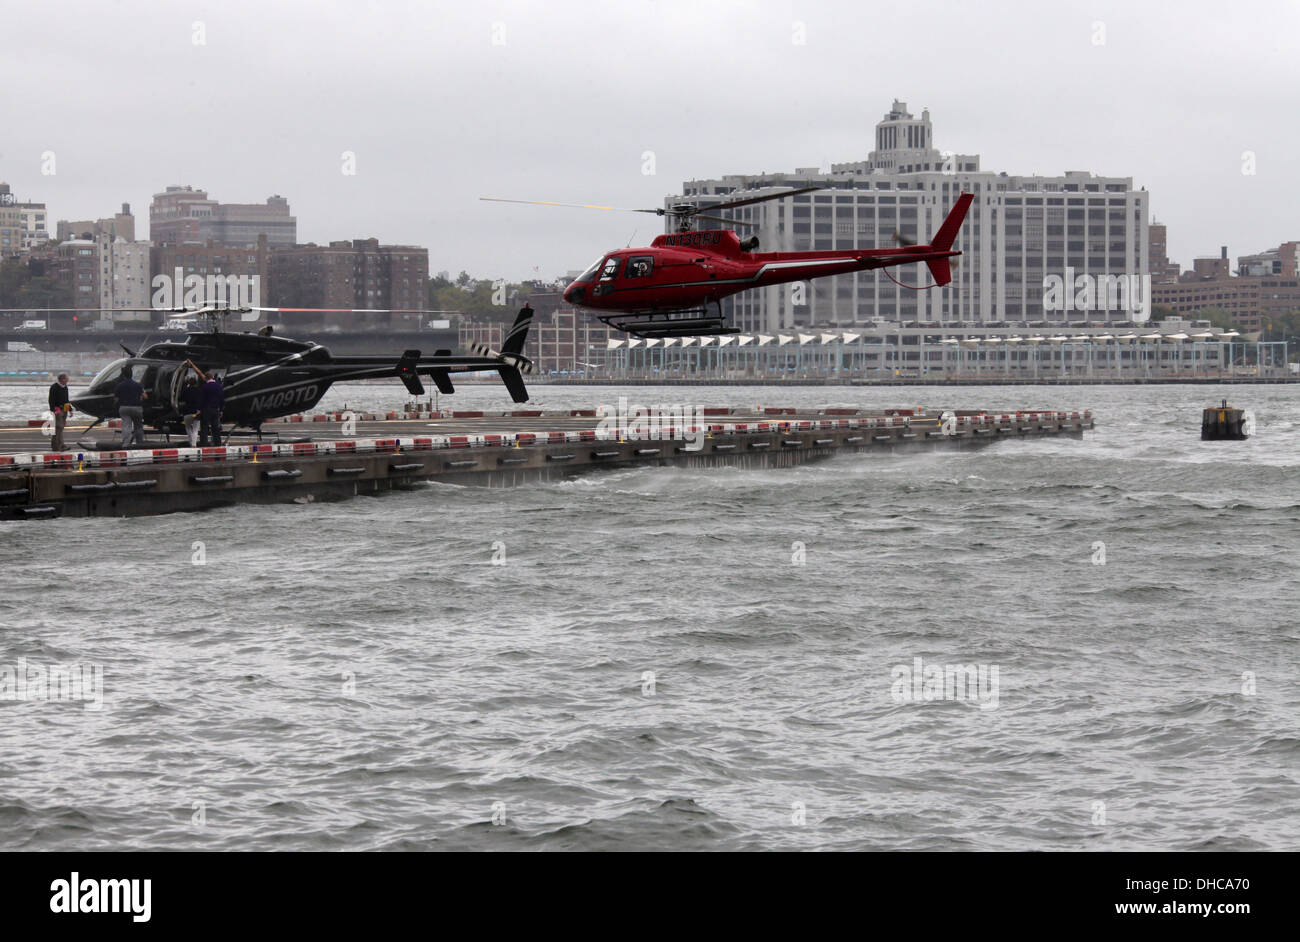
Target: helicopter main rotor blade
[348,310]
[617,209]
[762,199]
[730,222]
[105,310]
[680,213]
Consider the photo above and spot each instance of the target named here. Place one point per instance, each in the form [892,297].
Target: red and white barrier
[163,456]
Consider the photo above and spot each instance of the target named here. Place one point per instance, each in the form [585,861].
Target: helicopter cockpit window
[640,266]
[610,271]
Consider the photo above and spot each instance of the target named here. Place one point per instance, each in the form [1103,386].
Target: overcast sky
[442,103]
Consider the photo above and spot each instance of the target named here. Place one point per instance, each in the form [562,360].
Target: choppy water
[360,675]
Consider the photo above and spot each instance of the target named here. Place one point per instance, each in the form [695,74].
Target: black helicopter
[265,376]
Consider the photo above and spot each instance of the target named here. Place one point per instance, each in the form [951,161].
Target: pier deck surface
[309,460]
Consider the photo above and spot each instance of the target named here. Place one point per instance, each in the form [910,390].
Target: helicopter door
[153,383]
[177,384]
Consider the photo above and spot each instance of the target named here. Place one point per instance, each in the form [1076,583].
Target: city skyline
[524,104]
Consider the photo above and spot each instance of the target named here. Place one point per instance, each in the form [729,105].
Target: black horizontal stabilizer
[406,364]
[514,383]
[442,380]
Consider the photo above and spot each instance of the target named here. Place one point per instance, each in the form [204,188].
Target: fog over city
[441,103]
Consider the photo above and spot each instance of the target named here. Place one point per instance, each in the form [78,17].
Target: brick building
[347,275]
[74,265]
[184,214]
[566,340]
[214,265]
[1163,271]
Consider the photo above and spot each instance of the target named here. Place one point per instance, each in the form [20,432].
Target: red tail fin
[947,234]
[940,270]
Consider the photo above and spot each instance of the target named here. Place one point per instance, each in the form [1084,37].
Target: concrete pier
[312,459]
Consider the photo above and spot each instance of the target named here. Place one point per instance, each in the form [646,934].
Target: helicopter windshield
[590,273]
[142,371]
[108,378]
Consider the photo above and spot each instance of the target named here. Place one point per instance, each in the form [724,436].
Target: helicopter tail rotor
[942,242]
[514,360]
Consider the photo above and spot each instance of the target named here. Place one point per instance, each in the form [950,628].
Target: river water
[667,659]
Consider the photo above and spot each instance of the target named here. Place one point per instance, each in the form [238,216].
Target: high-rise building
[129,279]
[74,264]
[184,214]
[1163,271]
[193,274]
[1020,230]
[345,275]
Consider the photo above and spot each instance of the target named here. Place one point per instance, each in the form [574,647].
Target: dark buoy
[1220,424]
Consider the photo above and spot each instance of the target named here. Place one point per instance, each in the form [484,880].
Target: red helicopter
[665,290]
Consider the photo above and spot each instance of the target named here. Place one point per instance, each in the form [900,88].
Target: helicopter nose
[574,294]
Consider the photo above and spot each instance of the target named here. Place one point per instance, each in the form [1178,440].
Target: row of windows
[183,260]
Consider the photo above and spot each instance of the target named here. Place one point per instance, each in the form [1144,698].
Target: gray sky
[566,102]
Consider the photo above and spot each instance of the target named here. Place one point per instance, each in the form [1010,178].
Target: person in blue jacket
[212,400]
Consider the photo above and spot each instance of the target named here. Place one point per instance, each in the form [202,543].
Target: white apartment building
[123,278]
[1020,230]
[129,277]
[34,228]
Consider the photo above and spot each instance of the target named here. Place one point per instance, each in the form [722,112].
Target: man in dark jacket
[130,397]
[60,407]
[212,399]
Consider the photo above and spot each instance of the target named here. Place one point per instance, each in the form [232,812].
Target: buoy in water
[1221,423]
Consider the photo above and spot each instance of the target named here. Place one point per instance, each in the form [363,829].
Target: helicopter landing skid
[699,322]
